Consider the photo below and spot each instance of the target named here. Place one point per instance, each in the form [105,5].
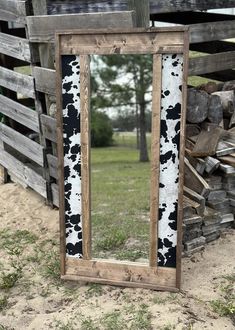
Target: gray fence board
[24,173]
[21,143]
[53,165]
[15,47]
[13,10]
[211,63]
[42,28]
[45,80]
[48,125]
[19,113]
[17,82]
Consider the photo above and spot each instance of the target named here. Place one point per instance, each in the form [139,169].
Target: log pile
[209,192]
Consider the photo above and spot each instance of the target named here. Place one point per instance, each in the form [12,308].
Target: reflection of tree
[124,81]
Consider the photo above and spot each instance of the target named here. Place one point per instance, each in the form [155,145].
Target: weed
[222,307]
[52,265]
[158,300]
[8,281]
[3,303]
[131,255]
[167,327]
[112,239]
[94,290]
[88,324]
[142,319]
[14,242]
[60,325]
[113,321]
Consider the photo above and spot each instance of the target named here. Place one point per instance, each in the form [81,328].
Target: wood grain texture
[53,165]
[211,63]
[203,32]
[17,82]
[48,125]
[85,150]
[13,10]
[19,113]
[141,8]
[45,80]
[121,272]
[60,150]
[24,173]
[194,181]
[155,152]
[156,6]
[55,194]
[181,162]
[15,47]
[21,143]
[122,42]
[42,28]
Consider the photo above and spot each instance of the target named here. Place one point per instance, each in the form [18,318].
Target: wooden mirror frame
[169,48]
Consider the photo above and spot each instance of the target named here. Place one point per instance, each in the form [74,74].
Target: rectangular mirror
[120,219]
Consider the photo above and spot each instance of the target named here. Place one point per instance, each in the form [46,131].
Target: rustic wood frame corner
[169,48]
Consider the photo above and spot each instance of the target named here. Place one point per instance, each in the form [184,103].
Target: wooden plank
[141,8]
[15,47]
[42,28]
[181,162]
[194,181]
[53,165]
[123,42]
[230,160]
[17,82]
[48,125]
[55,194]
[19,113]
[85,151]
[156,6]
[24,173]
[24,145]
[211,63]
[155,152]
[122,271]
[207,142]
[203,32]
[45,80]
[13,10]
[60,150]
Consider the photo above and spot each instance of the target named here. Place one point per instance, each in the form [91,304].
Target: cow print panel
[72,154]
[171,100]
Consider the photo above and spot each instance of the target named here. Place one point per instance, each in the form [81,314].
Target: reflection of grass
[120,197]
[128,139]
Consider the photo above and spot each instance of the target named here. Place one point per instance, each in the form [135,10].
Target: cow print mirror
[168,48]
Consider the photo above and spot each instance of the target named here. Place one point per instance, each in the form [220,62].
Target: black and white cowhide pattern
[72,154]
[172,79]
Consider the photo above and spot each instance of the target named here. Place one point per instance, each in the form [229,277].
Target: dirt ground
[33,297]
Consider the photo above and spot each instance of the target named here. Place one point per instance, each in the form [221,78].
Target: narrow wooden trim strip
[181,162]
[85,151]
[155,152]
[60,149]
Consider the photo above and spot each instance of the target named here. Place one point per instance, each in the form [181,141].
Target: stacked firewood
[209,192]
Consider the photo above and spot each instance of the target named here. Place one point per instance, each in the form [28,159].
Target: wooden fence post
[142,10]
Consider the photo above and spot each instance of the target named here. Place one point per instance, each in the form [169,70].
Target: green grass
[225,306]
[120,199]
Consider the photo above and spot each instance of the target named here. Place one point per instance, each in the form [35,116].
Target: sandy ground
[39,300]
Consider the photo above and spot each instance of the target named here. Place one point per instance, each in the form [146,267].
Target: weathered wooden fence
[28,135]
